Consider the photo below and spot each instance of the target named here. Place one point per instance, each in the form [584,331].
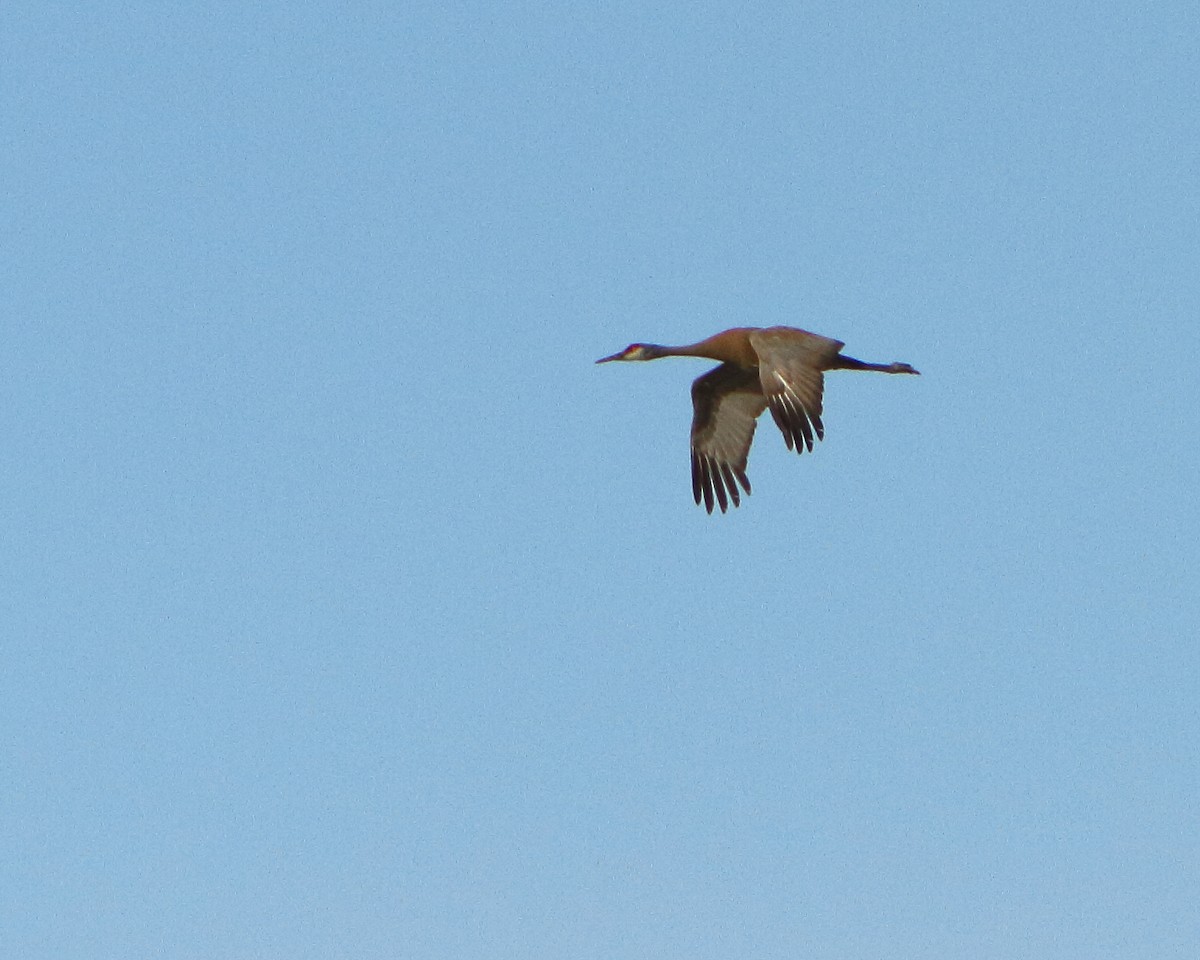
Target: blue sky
[350,611]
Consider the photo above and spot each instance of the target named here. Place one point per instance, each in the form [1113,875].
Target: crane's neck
[730,346]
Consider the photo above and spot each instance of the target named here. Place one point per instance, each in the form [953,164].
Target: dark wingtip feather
[731,485]
[718,484]
[780,418]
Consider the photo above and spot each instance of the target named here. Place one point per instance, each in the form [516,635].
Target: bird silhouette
[780,368]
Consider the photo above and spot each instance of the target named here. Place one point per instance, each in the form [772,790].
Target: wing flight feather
[726,402]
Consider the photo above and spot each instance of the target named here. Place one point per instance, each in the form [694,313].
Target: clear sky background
[348,610]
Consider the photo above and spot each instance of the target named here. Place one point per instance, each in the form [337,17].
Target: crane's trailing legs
[842,362]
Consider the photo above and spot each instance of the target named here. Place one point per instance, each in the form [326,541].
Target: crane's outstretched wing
[790,362]
[725,401]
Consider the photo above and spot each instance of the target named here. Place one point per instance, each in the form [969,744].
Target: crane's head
[902,368]
[635,351]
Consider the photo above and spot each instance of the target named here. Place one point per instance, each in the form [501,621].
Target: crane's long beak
[615,356]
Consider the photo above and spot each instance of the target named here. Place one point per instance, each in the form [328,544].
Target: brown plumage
[777,367]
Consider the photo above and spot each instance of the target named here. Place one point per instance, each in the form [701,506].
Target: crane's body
[776,368]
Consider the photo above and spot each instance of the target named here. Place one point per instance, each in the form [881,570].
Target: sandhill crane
[777,367]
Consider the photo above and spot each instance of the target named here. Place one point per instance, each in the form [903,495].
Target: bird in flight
[780,368]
